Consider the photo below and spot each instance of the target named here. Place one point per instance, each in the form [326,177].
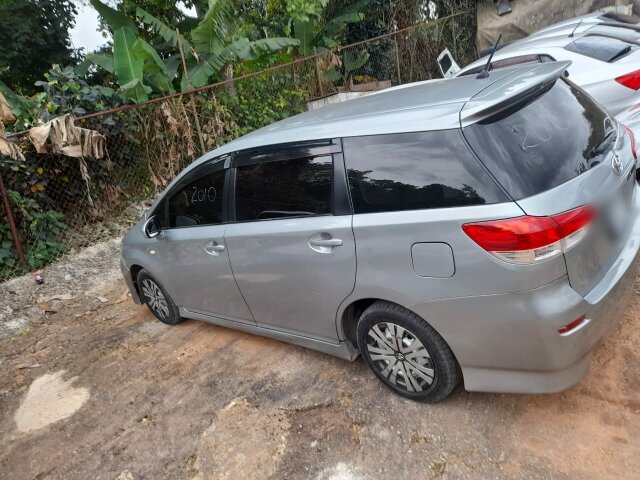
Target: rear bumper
[510,342]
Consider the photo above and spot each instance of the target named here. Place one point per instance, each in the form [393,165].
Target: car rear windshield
[544,143]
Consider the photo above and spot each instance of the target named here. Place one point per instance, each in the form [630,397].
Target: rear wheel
[157,300]
[406,353]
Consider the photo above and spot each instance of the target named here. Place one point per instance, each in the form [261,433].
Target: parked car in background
[478,229]
[603,50]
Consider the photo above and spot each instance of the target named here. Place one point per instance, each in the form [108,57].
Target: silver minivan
[476,229]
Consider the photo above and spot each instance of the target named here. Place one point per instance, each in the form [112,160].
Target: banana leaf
[113,18]
[128,66]
[104,61]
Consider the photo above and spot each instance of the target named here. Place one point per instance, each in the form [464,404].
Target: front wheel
[406,353]
[157,299]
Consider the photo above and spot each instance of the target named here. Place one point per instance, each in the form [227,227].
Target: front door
[293,259]
[196,260]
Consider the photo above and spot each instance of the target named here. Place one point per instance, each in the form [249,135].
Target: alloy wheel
[155,298]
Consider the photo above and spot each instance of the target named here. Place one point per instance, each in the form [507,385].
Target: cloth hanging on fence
[6,115]
[7,148]
[61,136]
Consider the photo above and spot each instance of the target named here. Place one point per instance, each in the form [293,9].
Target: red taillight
[527,239]
[632,138]
[572,326]
[630,80]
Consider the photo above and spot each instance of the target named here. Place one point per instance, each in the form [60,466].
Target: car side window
[415,171]
[198,200]
[284,188]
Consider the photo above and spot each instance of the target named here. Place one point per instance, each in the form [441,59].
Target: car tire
[157,299]
[406,353]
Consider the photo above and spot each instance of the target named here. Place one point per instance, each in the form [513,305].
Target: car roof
[431,105]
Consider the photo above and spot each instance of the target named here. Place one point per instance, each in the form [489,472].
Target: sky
[85,33]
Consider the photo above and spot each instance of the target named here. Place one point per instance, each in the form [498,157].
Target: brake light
[527,240]
[630,80]
[632,137]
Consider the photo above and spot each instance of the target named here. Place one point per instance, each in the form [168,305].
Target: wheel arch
[351,313]
[133,271]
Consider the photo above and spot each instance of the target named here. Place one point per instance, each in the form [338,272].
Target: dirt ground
[92,386]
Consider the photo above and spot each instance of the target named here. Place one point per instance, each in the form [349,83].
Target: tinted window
[601,48]
[552,139]
[284,188]
[198,201]
[411,171]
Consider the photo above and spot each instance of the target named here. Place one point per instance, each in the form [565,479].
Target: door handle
[214,248]
[325,242]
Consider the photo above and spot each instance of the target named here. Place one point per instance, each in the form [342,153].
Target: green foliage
[214,43]
[166,11]
[262,101]
[33,35]
[351,61]
[41,233]
[8,256]
[305,10]
[62,91]
[318,33]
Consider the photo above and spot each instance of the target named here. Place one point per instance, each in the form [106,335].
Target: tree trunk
[227,74]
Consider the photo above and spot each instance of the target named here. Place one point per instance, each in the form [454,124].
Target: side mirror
[447,65]
[152,227]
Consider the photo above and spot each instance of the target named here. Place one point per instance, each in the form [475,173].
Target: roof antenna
[485,71]
[574,30]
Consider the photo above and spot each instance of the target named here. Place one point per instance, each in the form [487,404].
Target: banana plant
[316,35]
[213,44]
[350,62]
[208,48]
[135,63]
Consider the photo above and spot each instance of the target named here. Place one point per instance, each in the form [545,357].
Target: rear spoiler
[510,89]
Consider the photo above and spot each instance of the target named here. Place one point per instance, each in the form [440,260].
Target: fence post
[319,76]
[191,99]
[398,61]
[12,224]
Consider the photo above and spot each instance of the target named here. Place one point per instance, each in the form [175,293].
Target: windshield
[550,140]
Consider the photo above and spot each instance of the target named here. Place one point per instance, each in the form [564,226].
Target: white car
[604,51]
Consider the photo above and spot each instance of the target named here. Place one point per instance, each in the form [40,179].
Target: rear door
[559,151]
[291,246]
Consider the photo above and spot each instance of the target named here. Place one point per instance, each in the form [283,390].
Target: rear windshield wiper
[604,144]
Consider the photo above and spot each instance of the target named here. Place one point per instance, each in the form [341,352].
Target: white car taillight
[527,240]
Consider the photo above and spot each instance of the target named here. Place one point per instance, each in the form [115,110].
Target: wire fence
[59,204]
